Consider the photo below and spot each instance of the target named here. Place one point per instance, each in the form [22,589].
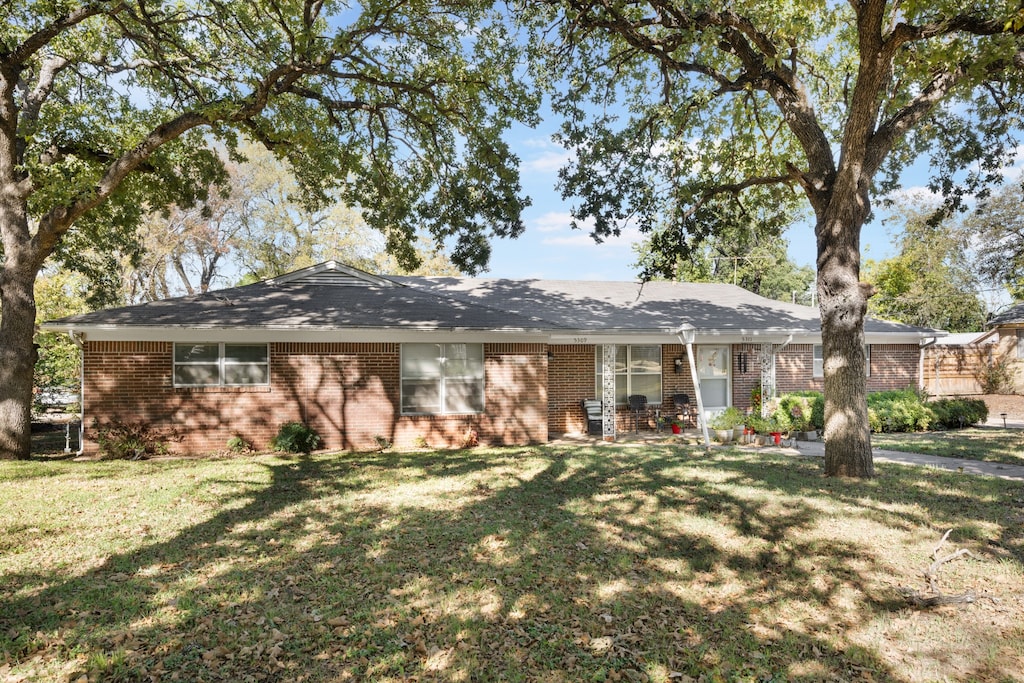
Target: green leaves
[359,102]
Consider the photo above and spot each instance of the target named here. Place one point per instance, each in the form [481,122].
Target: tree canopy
[932,281]
[996,227]
[684,117]
[111,108]
[746,256]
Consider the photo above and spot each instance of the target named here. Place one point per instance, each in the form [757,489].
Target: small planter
[776,438]
[676,429]
[761,439]
[737,433]
[723,435]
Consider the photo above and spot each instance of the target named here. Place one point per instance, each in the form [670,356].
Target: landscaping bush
[898,411]
[239,444]
[996,377]
[131,440]
[295,437]
[953,413]
[812,409]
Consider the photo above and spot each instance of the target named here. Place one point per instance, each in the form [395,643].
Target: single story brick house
[412,359]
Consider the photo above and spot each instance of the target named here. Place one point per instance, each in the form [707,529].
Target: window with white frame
[819,361]
[442,379]
[221,365]
[637,371]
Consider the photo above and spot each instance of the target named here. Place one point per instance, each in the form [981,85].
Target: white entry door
[713,374]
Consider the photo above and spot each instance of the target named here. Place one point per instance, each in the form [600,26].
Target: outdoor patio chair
[592,413]
[638,406]
[682,402]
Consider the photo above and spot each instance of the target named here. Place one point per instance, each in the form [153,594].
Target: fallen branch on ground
[936,596]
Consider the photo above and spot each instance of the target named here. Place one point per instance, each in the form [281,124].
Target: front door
[713,374]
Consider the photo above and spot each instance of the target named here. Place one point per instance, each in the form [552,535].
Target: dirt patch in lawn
[1011,404]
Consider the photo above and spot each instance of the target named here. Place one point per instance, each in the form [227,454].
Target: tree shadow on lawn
[516,564]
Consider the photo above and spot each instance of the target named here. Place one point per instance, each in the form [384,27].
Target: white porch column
[608,392]
[687,334]
[767,374]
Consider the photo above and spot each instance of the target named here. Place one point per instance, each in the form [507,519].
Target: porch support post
[687,333]
[608,392]
[767,374]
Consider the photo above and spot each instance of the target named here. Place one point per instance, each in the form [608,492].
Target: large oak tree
[111,108]
[685,115]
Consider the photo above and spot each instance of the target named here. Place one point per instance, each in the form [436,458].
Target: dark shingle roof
[297,305]
[1012,315]
[631,306]
[331,296]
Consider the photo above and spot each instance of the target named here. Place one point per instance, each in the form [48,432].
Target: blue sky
[549,248]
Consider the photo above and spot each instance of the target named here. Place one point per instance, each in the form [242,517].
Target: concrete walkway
[989,469]
[817,449]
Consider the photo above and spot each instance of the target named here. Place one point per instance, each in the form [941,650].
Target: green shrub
[818,412]
[131,440]
[761,425]
[295,437]
[954,413]
[815,403]
[727,419]
[238,444]
[898,411]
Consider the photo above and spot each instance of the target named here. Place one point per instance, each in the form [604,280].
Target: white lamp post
[687,333]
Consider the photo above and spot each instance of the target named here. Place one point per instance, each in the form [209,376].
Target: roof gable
[333,273]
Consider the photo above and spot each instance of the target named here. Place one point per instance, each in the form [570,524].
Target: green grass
[623,563]
[976,443]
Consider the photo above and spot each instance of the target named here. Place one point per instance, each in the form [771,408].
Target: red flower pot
[676,429]
[777,436]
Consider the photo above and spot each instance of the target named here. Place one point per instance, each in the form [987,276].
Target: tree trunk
[17,358]
[843,304]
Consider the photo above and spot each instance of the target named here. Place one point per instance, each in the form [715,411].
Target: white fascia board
[267,335]
[709,336]
[669,336]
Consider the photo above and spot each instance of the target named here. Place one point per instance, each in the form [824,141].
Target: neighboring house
[359,356]
[953,364]
[957,364]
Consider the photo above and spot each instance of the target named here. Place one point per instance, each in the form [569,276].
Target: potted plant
[734,419]
[724,423]
[676,426]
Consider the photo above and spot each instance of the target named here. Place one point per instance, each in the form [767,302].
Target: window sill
[241,389]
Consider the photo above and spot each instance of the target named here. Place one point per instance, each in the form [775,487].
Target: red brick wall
[571,378]
[743,382]
[348,392]
[893,366]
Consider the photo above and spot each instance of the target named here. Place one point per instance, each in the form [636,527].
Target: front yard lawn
[975,443]
[581,563]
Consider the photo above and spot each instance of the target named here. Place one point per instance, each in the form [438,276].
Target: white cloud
[552,221]
[582,239]
[548,162]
